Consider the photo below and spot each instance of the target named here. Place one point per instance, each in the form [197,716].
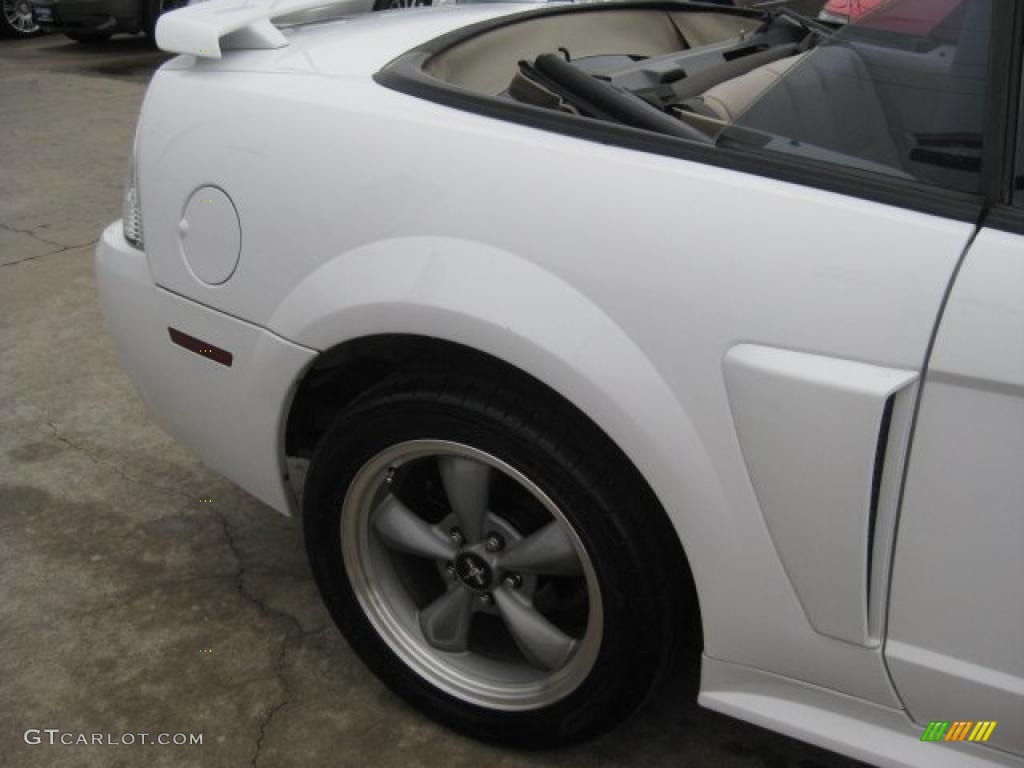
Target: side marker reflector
[200,347]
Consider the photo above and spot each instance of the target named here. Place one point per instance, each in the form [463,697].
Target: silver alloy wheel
[427,587]
[18,14]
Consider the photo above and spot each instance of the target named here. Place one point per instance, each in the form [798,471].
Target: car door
[955,644]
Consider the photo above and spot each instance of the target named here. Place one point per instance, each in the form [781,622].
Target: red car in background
[914,17]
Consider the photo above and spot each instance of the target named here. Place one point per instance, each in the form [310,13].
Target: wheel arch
[392,303]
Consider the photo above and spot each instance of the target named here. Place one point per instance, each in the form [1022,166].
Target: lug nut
[456,536]
[494,542]
[486,599]
[451,570]
[513,580]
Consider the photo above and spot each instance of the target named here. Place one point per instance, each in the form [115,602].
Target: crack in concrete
[295,630]
[152,586]
[261,734]
[111,465]
[31,233]
[61,247]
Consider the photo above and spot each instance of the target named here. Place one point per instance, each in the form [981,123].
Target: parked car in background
[696,340]
[920,17]
[16,19]
[90,21]
[844,11]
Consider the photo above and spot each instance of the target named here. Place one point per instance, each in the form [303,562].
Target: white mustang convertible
[592,339]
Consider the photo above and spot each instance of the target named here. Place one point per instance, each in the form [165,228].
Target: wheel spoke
[445,622]
[468,485]
[402,529]
[548,551]
[543,644]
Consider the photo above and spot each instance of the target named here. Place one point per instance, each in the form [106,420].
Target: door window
[901,92]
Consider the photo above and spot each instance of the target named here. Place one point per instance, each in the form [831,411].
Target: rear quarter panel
[620,278]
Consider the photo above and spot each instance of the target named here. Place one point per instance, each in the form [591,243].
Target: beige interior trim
[709,125]
[707,28]
[733,97]
[487,62]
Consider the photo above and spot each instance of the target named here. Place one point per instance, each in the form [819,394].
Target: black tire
[88,37]
[624,531]
[389,5]
[150,14]
[15,22]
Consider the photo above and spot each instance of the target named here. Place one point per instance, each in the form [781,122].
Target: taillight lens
[131,215]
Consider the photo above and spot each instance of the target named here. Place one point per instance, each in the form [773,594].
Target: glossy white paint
[621,279]
[209,235]
[330,256]
[956,621]
[371,41]
[877,735]
[232,418]
[207,28]
[809,429]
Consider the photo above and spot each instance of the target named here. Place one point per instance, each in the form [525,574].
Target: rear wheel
[487,554]
[16,19]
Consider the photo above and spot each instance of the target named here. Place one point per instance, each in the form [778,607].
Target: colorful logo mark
[959,730]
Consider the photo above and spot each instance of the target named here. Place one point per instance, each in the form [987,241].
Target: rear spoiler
[207,28]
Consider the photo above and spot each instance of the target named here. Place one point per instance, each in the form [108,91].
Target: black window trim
[406,75]
[1000,163]
[1005,218]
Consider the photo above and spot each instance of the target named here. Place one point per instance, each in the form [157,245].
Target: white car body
[742,339]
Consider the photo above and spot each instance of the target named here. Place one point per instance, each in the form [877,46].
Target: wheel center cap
[473,571]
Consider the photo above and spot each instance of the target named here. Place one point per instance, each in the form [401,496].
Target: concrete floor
[139,591]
